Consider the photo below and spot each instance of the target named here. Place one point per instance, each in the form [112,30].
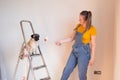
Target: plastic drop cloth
[3,75]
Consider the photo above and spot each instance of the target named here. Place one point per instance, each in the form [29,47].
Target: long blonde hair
[88,18]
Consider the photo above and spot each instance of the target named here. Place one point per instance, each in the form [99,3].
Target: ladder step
[35,55]
[39,67]
[47,78]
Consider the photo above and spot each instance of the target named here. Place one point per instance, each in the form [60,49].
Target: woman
[83,50]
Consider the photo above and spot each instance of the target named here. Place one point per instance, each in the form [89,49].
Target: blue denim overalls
[80,55]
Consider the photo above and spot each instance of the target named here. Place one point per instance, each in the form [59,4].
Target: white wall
[55,19]
[117,42]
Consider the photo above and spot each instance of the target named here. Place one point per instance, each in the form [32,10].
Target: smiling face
[82,19]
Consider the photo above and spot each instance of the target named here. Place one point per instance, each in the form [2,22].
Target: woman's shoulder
[93,30]
[93,27]
[77,26]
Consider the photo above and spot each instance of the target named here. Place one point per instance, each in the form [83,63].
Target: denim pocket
[83,50]
[86,49]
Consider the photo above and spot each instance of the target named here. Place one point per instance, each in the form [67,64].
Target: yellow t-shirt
[87,35]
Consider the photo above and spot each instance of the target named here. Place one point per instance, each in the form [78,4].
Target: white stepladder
[30,56]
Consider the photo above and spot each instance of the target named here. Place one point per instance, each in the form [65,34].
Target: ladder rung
[34,55]
[39,67]
[47,78]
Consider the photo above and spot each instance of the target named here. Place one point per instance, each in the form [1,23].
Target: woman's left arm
[92,45]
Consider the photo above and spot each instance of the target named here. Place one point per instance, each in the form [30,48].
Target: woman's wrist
[92,58]
[61,41]
[93,53]
[66,40]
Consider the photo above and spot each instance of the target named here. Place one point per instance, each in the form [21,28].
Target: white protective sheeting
[3,75]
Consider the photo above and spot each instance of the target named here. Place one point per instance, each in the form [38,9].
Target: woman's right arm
[65,40]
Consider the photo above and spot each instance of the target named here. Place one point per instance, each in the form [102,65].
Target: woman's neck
[84,25]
